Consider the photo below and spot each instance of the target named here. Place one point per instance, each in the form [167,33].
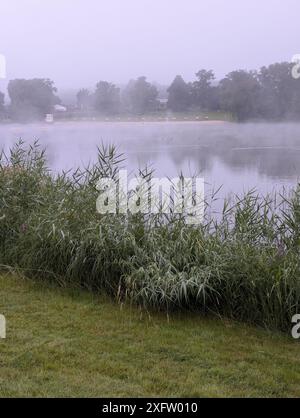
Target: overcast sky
[79,42]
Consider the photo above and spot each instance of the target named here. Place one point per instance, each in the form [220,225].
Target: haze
[79,42]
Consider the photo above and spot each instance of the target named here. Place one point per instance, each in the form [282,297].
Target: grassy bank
[73,343]
[152,117]
[245,267]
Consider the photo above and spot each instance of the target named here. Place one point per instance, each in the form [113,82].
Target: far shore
[120,121]
[145,120]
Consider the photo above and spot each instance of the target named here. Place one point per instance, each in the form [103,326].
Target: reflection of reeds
[244,265]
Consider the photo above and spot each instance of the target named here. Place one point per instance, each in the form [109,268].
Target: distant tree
[180,97]
[31,99]
[203,93]
[294,111]
[140,97]
[280,92]
[240,93]
[84,99]
[107,98]
[2,107]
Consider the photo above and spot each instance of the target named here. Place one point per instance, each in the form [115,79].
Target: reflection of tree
[271,150]
[200,158]
[144,159]
[276,163]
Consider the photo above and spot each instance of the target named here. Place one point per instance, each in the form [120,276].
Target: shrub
[244,264]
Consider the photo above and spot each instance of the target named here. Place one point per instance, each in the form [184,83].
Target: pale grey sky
[78,42]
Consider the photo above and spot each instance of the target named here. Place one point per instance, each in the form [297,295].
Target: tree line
[270,93]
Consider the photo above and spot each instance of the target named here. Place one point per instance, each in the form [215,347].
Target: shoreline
[119,122]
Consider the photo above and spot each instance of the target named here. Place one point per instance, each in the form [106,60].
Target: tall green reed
[244,264]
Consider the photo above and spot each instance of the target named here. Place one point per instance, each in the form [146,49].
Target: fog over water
[238,157]
[77,43]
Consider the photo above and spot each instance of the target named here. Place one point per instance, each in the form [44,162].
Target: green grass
[191,116]
[71,343]
[245,267]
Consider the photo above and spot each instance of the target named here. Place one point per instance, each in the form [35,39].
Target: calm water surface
[238,157]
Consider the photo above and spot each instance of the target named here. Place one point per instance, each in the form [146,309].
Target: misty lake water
[238,157]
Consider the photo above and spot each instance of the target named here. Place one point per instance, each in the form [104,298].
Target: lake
[238,157]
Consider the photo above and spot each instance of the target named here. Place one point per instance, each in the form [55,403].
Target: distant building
[60,108]
[49,118]
[163,104]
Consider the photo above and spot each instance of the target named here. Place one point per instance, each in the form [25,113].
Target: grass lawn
[71,343]
[191,116]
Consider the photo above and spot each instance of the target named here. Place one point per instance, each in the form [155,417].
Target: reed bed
[243,265]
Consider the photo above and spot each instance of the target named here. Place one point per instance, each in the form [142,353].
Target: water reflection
[237,156]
